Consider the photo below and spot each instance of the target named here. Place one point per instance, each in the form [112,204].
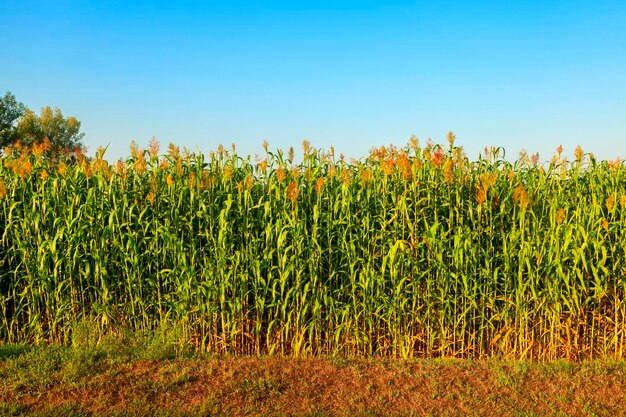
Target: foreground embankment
[125,378]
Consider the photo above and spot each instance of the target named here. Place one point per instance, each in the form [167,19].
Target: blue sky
[353,74]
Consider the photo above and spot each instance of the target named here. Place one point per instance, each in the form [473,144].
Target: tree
[10,111]
[62,132]
[20,124]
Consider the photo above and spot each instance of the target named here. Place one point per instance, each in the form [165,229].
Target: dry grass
[251,386]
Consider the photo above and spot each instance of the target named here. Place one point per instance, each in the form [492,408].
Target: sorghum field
[411,252]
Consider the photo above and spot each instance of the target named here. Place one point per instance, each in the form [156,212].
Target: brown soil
[250,386]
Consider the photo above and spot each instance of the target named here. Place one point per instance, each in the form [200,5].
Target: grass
[108,381]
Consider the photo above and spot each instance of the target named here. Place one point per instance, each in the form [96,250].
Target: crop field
[415,251]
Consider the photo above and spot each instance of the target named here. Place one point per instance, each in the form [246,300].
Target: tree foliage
[62,132]
[20,124]
[10,111]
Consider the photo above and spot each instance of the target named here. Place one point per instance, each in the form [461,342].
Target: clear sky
[354,74]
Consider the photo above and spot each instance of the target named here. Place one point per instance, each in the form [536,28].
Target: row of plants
[411,252]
